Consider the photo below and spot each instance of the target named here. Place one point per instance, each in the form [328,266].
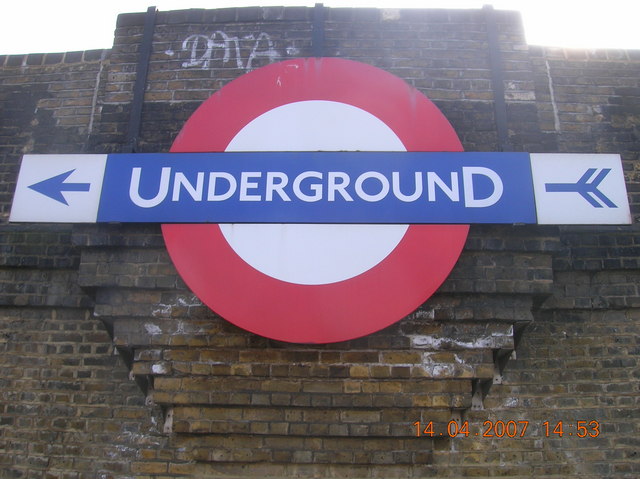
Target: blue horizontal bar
[318,187]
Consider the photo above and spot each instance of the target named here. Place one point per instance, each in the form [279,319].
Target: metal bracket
[497,79]
[317,34]
[135,118]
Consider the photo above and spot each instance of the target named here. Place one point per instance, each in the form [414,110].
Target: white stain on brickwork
[424,314]
[168,422]
[163,311]
[441,370]
[159,368]
[152,328]
[436,368]
[436,343]
[96,90]
[189,301]
[554,105]
[390,14]
[203,50]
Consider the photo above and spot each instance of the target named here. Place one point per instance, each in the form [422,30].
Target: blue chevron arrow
[587,189]
[55,186]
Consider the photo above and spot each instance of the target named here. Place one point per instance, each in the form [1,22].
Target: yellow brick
[359,371]
[149,467]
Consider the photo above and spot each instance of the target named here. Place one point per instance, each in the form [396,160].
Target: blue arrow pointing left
[53,187]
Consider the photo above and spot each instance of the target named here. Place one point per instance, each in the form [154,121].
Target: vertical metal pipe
[317,35]
[144,55]
[497,79]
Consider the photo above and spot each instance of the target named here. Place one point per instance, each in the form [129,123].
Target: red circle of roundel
[331,312]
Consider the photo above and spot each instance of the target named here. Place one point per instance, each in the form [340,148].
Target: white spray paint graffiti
[202,49]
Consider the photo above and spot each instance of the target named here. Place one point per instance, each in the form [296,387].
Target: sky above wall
[68,25]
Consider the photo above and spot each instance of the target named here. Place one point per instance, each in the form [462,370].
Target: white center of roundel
[314,253]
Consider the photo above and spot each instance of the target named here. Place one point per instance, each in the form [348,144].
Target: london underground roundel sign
[319,283]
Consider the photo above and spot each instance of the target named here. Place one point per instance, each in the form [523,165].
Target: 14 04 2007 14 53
[511,429]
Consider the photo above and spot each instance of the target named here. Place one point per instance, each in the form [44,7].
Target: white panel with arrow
[579,189]
[59,188]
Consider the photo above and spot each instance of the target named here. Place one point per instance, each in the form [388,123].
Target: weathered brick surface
[67,407]
[193,396]
[47,107]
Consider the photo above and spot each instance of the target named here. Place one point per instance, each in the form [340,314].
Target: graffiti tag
[205,49]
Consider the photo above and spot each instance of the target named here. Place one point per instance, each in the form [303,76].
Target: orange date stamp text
[511,429]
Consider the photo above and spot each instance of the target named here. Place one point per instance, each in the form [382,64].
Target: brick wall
[110,367]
